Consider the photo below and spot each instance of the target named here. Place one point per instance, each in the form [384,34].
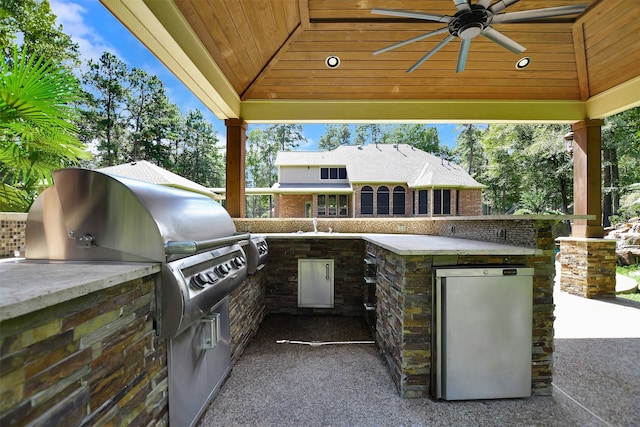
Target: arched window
[383,201]
[366,200]
[398,200]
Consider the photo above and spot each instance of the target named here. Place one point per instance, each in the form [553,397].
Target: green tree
[104,120]
[369,133]
[200,159]
[620,162]
[263,147]
[502,165]
[30,25]
[468,149]
[420,136]
[335,135]
[37,131]
[548,166]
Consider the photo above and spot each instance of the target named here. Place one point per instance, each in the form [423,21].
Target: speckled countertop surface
[27,286]
[417,244]
[411,244]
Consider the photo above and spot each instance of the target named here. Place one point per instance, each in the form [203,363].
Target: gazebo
[306,61]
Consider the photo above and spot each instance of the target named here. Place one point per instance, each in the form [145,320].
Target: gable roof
[142,170]
[385,163]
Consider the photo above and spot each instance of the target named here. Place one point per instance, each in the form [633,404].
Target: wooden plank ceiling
[276,49]
[264,60]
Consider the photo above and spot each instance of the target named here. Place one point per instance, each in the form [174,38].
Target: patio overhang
[264,62]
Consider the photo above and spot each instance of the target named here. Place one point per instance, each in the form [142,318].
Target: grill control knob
[212,277]
[199,280]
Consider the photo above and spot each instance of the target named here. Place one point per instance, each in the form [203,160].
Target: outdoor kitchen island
[404,291]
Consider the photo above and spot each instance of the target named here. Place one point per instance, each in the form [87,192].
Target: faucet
[315,224]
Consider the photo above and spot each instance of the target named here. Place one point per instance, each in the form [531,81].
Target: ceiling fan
[472,20]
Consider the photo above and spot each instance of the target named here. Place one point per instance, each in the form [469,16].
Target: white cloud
[72,18]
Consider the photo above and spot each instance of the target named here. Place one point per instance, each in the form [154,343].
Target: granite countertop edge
[60,282]
[418,244]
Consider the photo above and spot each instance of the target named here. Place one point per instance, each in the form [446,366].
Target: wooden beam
[587,182]
[416,111]
[236,154]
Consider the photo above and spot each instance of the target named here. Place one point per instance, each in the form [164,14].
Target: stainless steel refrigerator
[483,342]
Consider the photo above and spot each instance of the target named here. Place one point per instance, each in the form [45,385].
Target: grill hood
[95,216]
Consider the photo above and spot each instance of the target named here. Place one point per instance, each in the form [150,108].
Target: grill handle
[192,247]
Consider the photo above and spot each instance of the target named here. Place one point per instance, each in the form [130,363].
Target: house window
[332,205]
[398,200]
[342,205]
[322,205]
[333,173]
[383,201]
[366,200]
[442,202]
[423,202]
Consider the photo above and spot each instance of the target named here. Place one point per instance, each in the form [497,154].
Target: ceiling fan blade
[501,5]
[527,15]
[462,5]
[462,54]
[484,3]
[430,54]
[502,40]
[415,39]
[409,14]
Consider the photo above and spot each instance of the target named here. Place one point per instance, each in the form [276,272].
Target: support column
[588,262]
[236,154]
[587,180]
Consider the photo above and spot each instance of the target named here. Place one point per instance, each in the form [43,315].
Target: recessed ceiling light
[332,61]
[523,62]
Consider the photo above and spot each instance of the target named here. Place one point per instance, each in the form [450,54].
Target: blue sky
[95,30]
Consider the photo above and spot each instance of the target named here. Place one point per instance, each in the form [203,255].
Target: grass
[632,271]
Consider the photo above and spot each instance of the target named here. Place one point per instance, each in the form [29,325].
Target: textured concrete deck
[596,382]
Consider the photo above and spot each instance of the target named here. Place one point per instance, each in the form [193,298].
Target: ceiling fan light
[332,61]
[523,63]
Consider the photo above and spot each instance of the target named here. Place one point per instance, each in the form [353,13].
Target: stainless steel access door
[483,333]
[199,361]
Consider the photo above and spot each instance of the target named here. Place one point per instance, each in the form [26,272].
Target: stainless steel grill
[94,216]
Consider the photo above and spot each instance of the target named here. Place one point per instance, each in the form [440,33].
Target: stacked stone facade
[588,267]
[95,360]
[404,312]
[246,311]
[282,280]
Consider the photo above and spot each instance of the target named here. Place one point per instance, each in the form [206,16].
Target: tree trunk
[606,183]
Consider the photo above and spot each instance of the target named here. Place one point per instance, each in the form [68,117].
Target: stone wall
[246,311]
[404,312]
[282,277]
[12,236]
[94,360]
[510,230]
[588,267]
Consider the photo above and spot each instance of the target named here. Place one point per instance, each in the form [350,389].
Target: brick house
[369,181]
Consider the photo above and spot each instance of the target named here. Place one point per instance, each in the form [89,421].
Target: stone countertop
[27,286]
[411,244]
[416,244]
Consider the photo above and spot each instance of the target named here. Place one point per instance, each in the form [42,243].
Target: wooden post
[236,154]
[587,181]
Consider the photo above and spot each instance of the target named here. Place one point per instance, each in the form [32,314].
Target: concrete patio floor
[596,381]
